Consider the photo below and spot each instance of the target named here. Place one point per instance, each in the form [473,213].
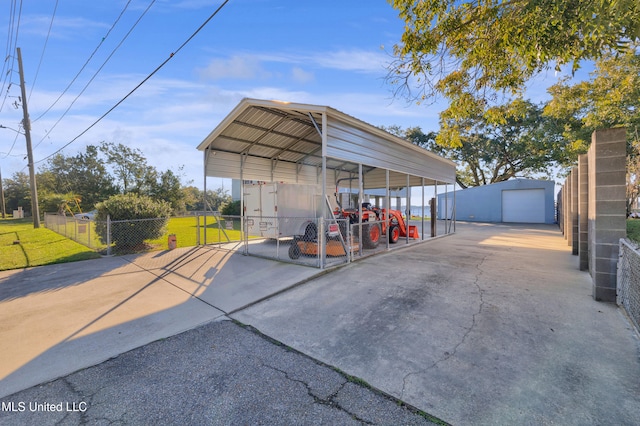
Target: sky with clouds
[78,65]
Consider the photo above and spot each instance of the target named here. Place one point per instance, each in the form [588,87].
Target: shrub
[231,209]
[137,218]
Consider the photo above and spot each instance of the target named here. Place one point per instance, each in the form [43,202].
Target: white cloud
[63,27]
[236,67]
[301,76]
[353,60]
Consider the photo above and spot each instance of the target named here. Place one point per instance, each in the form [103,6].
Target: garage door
[523,205]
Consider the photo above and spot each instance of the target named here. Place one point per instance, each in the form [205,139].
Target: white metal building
[514,200]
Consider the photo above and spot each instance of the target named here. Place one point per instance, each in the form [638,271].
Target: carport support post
[408,206]
[204,194]
[325,208]
[422,212]
[388,202]
[360,200]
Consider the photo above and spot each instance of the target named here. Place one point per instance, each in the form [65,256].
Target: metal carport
[279,141]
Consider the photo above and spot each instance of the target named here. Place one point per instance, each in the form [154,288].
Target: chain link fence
[140,235]
[629,281]
[82,231]
[289,239]
[295,239]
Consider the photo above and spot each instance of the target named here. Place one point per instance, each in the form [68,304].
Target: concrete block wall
[606,208]
[574,210]
[583,209]
[592,209]
[560,209]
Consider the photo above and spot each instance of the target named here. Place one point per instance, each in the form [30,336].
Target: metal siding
[228,165]
[357,146]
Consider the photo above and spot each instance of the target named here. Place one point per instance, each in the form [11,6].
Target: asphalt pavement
[217,374]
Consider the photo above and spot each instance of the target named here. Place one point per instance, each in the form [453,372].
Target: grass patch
[186,231]
[633,230]
[22,246]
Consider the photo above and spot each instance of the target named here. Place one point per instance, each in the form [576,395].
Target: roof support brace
[315,124]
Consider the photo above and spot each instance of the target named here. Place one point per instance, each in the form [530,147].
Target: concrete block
[606,266]
[606,136]
[607,208]
[612,177]
[607,251]
[611,192]
[604,294]
[605,279]
[610,164]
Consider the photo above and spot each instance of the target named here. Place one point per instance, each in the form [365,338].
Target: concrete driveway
[494,325]
[58,319]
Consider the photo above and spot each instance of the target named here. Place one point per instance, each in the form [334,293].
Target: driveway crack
[328,401]
[452,353]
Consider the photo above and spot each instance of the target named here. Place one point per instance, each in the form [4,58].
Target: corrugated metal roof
[287,132]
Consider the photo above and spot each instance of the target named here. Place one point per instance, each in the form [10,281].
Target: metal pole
[422,218]
[408,207]
[325,209]
[4,211]
[388,205]
[108,235]
[27,133]
[204,195]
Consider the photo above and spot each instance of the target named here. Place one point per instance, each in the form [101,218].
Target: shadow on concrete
[62,318]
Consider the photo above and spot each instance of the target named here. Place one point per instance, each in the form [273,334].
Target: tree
[473,51]
[520,143]
[17,192]
[84,174]
[217,198]
[610,98]
[168,188]
[129,166]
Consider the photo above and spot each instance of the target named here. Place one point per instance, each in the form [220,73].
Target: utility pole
[4,211]
[27,133]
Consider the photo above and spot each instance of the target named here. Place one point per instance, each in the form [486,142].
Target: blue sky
[333,52]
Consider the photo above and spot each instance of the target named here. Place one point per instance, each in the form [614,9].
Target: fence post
[108,235]
[197,229]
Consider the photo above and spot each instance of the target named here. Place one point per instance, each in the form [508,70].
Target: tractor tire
[294,249]
[310,233]
[371,235]
[394,234]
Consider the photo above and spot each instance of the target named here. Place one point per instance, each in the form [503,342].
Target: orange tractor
[375,223]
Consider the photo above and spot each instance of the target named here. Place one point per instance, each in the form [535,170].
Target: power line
[141,83]
[13,144]
[44,48]
[85,64]
[11,44]
[96,73]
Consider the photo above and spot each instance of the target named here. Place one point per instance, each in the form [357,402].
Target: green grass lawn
[633,230]
[186,232]
[21,246]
